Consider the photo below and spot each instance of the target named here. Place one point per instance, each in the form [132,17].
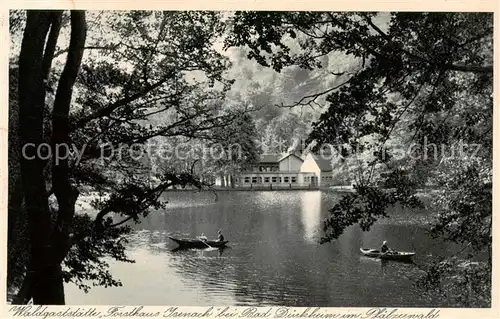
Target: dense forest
[393,93]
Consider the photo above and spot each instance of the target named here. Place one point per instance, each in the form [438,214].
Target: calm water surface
[274,256]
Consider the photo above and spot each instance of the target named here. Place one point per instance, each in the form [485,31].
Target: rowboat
[198,243]
[391,255]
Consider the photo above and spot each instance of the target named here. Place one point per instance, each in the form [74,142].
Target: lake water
[274,256]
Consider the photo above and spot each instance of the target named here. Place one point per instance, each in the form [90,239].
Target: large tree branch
[141,203]
[450,66]
[308,99]
[122,221]
[90,47]
[144,198]
[468,68]
[122,102]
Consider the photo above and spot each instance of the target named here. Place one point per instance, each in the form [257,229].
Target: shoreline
[260,189]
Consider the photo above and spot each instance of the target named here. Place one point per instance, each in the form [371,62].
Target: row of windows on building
[323,178]
[272,179]
[279,179]
[266,169]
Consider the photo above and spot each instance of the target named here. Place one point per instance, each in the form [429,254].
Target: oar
[205,243]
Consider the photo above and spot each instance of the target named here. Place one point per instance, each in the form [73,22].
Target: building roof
[324,164]
[276,158]
[290,154]
[270,158]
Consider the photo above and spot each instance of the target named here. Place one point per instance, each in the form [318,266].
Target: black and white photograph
[313,159]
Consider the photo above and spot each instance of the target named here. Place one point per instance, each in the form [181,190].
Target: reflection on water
[311,215]
[274,257]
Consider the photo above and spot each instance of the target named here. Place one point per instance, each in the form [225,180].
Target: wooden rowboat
[391,255]
[198,243]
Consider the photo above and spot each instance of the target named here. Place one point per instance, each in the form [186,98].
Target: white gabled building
[317,170]
[288,170]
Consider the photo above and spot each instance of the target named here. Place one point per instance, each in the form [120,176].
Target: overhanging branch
[122,102]
[451,66]
[308,99]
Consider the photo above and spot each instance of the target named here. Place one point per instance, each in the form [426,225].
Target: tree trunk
[18,238]
[45,284]
[65,192]
[49,244]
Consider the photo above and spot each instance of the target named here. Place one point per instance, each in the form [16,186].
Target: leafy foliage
[419,91]
[84,262]
[457,283]
[156,76]
[144,76]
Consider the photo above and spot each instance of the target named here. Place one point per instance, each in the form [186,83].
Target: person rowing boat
[385,249]
[220,237]
[198,243]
